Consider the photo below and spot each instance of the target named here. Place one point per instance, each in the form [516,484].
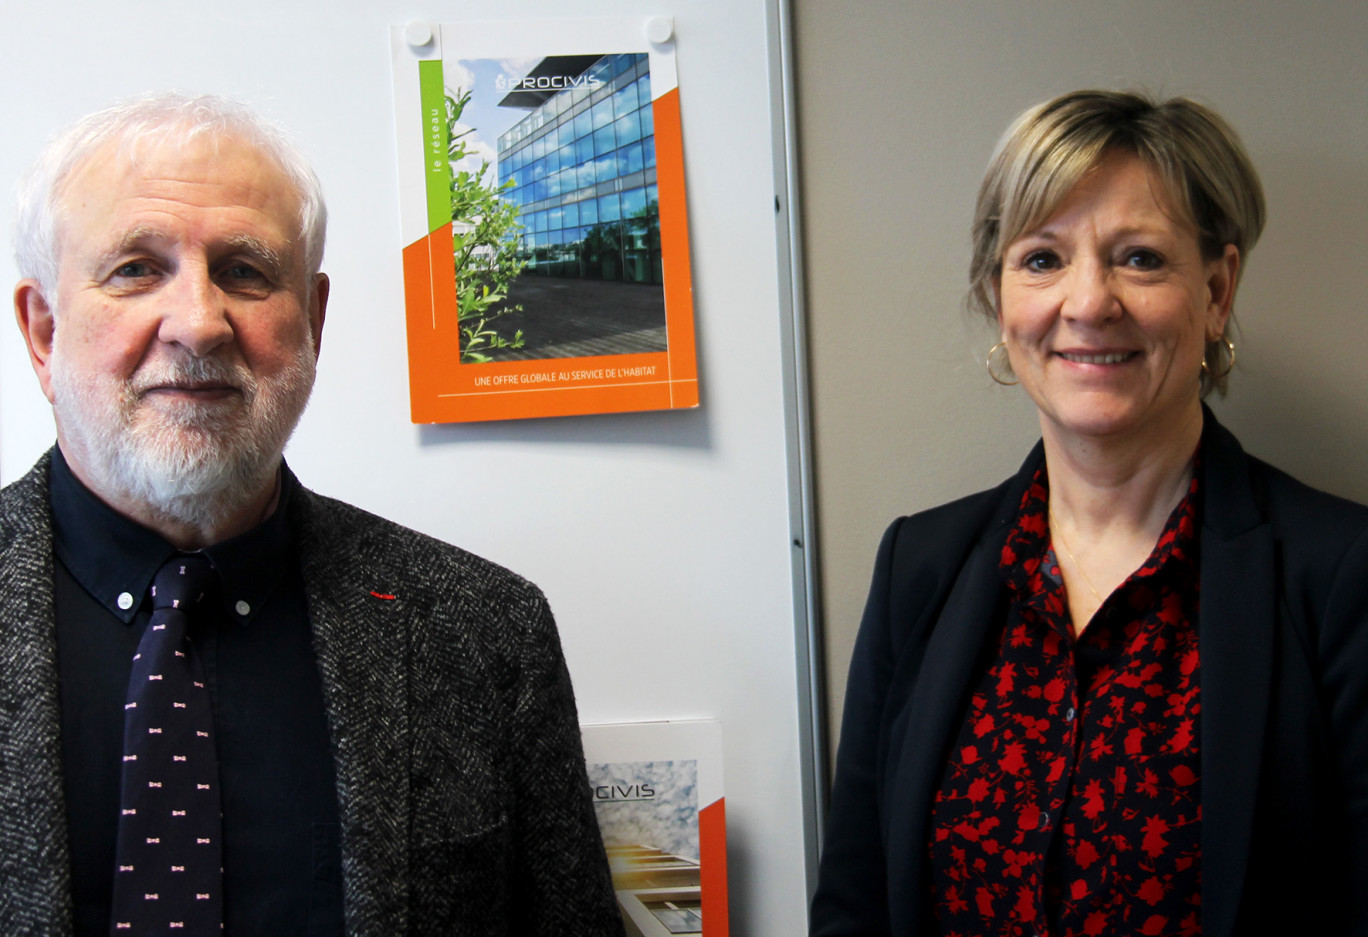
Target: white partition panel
[668,543]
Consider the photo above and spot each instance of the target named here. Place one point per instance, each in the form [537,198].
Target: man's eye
[132,270]
[242,271]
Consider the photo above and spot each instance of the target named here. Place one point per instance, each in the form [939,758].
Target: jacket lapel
[1236,636]
[922,733]
[35,878]
[363,662]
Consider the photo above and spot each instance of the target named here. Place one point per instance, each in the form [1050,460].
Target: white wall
[662,539]
[900,104]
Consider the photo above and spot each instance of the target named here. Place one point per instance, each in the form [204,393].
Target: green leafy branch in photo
[484,235]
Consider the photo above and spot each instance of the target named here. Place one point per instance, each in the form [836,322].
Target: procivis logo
[548,83]
[624,793]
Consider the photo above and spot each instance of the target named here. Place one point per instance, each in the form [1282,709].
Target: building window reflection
[583,166]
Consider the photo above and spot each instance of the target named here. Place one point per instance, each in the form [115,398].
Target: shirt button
[1069,716]
[125,600]
[242,608]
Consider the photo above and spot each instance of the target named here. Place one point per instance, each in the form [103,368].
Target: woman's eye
[1040,261]
[1144,260]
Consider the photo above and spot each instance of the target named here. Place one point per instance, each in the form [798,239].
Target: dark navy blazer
[1283,632]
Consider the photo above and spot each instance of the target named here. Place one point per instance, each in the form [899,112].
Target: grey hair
[163,118]
[1191,150]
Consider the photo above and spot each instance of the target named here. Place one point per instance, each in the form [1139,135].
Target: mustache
[189,371]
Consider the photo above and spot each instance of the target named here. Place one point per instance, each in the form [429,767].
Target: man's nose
[195,314]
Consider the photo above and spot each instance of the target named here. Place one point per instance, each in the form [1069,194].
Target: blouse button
[125,600]
[1069,716]
[242,608]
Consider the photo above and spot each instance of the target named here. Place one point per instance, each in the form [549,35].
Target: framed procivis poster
[546,251]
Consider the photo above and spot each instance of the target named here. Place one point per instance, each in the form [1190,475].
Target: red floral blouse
[1071,801]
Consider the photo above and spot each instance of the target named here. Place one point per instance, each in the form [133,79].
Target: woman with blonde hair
[1126,691]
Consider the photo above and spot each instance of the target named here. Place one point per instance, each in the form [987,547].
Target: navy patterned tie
[169,873]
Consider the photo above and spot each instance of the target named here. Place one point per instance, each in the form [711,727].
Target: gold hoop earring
[1230,350]
[988,363]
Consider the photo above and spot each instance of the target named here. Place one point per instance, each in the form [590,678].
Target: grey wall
[899,106]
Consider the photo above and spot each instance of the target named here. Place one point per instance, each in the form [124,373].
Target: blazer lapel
[923,731]
[363,662]
[1236,637]
[35,878]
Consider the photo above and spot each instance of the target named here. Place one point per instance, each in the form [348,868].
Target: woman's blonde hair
[1190,149]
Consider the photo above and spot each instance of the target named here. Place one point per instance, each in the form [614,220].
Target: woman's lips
[1096,357]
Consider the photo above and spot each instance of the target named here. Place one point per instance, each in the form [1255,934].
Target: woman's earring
[1230,350]
[1006,364]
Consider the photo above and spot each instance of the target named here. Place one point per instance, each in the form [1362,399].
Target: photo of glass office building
[582,163]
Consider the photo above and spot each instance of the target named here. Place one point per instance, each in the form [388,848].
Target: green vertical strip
[437,174]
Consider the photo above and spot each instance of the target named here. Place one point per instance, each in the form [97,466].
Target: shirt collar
[1027,555]
[114,558]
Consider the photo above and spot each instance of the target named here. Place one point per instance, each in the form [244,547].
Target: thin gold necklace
[1058,531]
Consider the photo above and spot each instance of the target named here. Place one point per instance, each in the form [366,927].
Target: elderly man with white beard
[228,704]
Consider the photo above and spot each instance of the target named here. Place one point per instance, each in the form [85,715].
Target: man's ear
[318,309]
[34,315]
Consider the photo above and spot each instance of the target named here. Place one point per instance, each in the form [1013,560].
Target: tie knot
[183,581]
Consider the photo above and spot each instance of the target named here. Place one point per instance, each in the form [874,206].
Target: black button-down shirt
[282,866]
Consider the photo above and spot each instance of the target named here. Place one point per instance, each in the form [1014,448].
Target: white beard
[193,463]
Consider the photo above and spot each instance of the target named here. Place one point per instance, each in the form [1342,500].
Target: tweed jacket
[1283,636]
[461,783]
